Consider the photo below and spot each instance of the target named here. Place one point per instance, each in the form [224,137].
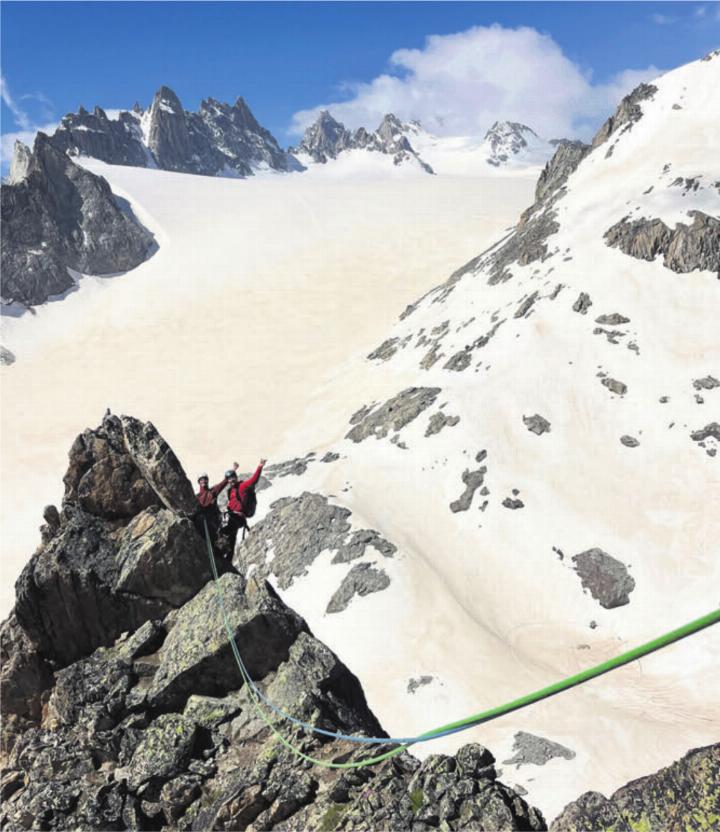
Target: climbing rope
[453,727]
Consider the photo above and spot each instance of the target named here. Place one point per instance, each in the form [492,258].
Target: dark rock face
[94,134]
[60,216]
[582,304]
[556,172]
[684,797]
[440,420]
[362,579]
[536,424]
[684,249]
[327,138]
[472,481]
[529,749]
[394,414]
[606,577]
[614,386]
[613,319]
[629,441]
[627,113]
[103,567]
[297,530]
[707,383]
[219,139]
[145,722]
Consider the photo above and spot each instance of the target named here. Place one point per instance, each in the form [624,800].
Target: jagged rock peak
[166,96]
[60,216]
[20,165]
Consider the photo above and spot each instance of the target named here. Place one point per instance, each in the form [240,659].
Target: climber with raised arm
[242,503]
[207,498]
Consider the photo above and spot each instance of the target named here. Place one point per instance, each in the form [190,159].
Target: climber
[241,505]
[207,497]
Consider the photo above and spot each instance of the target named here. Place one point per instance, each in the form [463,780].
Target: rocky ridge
[56,217]
[122,705]
[218,139]
[327,138]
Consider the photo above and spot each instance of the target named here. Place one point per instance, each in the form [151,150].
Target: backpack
[248,500]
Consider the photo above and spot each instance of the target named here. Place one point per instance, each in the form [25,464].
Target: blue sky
[287,59]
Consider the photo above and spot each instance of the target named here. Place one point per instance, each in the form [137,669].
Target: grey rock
[514,504]
[61,216]
[386,350]
[292,467]
[161,556]
[536,424]
[530,749]
[613,319]
[612,336]
[707,383]
[330,456]
[627,113]
[462,359]
[394,414]
[629,441]
[438,421]
[710,430]
[358,541]
[420,681]
[614,386]
[6,357]
[163,751]
[678,798]
[363,579]
[607,578]
[472,481]
[582,304]
[196,657]
[526,305]
[556,172]
[684,248]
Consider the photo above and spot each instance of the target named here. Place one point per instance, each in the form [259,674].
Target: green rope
[476,719]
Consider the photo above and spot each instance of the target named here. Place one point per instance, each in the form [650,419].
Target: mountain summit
[218,139]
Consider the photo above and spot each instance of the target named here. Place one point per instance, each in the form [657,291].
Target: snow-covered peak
[510,141]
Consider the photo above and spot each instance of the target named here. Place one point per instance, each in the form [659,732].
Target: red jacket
[235,505]
[206,496]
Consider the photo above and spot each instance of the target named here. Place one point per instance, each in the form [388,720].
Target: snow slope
[487,601]
[260,289]
[308,270]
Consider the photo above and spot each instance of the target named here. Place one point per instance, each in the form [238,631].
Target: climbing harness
[453,727]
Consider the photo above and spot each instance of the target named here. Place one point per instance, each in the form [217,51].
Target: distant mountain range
[227,140]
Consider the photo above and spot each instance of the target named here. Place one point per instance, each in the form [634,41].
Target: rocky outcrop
[684,797]
[123,716]
[219,139]
[472,480]
[327,138]
[529,749]
[118,554]
[582,304]
[555,174]
[440,420]
[536,424]
[684,248]
[297,530]
[362,579]
[6,357]
[607,578]
[59,216]
[627,113]
[394,414]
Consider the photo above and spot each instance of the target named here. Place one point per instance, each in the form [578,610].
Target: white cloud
[460,84]
[21,117]
[663,19]
[28,126]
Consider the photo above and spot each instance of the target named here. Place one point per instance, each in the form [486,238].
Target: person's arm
[256,476]
[216,489]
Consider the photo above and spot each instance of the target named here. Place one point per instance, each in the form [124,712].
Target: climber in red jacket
[207,498]
[241,505]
